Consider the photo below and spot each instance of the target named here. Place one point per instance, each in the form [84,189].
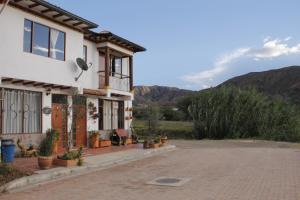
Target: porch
[30,165]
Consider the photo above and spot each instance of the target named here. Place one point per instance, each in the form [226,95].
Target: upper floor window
[116,66]
[85,53]
[43,40]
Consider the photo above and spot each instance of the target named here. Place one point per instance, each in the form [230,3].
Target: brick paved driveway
[219,170]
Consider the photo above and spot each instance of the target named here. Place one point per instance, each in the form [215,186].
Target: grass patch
[173,129]
[166,125]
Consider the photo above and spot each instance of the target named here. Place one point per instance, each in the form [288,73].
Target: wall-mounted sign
[47,110]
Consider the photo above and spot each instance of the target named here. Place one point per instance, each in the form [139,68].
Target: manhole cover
[169,181]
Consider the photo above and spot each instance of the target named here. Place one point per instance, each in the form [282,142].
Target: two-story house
[40,43]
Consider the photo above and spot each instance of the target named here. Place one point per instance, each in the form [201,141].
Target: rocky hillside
[167,96]
[284,82]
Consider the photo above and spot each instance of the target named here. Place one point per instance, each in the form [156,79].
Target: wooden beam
[93,92]
[130,73]
[56,86]
[29,83]
[69,19]
[58,15]
[65,87]
[17,81]
[46,10]
[107,66]
[33,5]
[78,23]
[43,16]
[47,85]
[38,84]
[7,79]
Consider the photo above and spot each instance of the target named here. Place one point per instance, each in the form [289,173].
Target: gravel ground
[225,169]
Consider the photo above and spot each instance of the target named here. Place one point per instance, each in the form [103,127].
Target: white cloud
[270,49]
[204,78]
[274,48]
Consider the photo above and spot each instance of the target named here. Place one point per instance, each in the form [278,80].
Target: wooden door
[79,114]
[60,123]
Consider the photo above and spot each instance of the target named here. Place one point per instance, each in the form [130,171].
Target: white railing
[116,82]
[119,83]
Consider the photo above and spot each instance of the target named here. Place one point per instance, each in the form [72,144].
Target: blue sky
[195,44]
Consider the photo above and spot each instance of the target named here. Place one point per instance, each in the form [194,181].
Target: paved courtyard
[218,170]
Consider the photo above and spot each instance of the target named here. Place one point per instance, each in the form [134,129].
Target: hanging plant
[92,110]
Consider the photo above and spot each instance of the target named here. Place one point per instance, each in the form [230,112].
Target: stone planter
[65,163]
[104,143]
[45,162]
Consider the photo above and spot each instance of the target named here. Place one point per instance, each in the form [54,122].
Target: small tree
[152,117]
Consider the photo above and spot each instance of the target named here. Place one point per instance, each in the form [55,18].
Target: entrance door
[59,120]
[79,117]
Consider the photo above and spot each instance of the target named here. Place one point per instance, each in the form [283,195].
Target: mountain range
[283,82]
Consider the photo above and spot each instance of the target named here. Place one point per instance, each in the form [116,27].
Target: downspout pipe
[5,3]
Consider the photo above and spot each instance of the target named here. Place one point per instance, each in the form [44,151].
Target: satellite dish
[82,65]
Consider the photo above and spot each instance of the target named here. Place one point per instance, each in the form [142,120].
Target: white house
[40,43]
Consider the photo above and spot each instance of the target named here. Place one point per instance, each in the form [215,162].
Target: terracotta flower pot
[45,162]
[154,145]
[65,163]
[94,142]
[104,143]
[164,140]
[129,141]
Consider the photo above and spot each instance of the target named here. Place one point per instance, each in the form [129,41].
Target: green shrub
[72,155]
[46,146]
[229,112]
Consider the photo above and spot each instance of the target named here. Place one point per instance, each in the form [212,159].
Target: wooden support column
[107,66]
[130,73]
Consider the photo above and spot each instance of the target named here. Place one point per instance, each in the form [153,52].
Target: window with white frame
[21,111]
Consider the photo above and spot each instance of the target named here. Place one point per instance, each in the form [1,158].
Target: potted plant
[156,143]
[52,133]
[45,158]
[104,143]
[70,158]
[147,143]
[129,141]
[134,139]
[164,139]
[94,139]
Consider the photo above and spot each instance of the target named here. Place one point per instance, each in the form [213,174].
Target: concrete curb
[93,163]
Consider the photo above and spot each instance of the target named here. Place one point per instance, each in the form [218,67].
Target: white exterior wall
[15,63]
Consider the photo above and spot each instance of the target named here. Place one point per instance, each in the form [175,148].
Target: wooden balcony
[111,78]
